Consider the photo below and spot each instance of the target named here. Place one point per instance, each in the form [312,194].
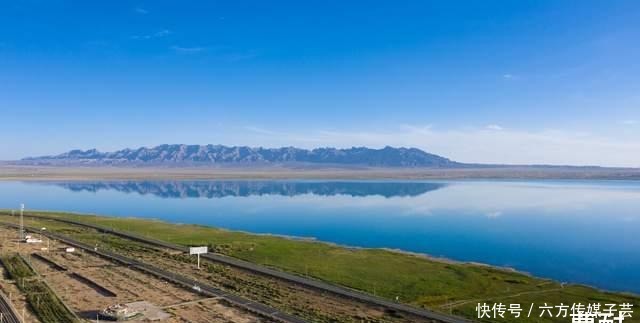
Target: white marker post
[198,251]
[21,221]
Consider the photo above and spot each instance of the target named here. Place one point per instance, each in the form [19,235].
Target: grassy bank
[17,268]
[420,281]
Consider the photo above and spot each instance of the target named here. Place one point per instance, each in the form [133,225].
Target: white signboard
[197,250]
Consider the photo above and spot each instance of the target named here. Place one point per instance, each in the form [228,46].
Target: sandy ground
[128,286]
[192,312]
[21,172]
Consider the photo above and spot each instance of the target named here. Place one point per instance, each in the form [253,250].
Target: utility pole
[21,221]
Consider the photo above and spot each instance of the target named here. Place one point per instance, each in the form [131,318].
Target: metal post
[21,221]
[198,261]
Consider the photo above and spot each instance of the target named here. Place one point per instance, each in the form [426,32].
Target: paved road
[9,313]
[236,300]
[304,281]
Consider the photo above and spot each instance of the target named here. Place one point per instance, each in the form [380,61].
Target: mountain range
[180,155]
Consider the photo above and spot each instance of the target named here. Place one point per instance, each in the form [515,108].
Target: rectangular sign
[197,250]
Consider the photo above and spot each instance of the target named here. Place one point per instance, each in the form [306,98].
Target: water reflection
[217,189]
[576,231]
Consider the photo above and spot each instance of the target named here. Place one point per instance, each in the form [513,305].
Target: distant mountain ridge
[180,154]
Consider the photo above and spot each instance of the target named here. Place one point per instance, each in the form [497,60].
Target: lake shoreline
[10,172]
[488,222]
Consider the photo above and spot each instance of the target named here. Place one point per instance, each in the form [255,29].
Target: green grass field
[436,284]
[16,267]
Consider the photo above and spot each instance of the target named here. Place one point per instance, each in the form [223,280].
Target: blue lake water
[575,231]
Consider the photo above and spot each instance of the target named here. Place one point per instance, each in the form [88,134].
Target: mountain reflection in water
[218,189]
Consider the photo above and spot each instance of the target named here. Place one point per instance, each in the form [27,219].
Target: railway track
[8,314]
[250,306]
[303,281]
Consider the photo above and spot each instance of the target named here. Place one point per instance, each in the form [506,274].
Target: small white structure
[70,249]
[33,240]
[28,236]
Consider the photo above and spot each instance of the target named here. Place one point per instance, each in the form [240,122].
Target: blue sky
[477,81]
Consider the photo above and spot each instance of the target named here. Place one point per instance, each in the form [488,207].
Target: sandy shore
[16,172]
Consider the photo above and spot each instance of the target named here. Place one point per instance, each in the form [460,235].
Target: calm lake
[575,231]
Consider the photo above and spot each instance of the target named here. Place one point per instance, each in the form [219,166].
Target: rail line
[8,313]
[303,281]
[250,306]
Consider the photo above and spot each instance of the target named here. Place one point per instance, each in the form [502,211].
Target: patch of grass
[16,267]
[46,304]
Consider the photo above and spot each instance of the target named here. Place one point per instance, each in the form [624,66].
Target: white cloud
[141,11]
[510,77]
[261,130]
[187,50]
[493,214]
[494,127]
[160,34]
[472,145]
[629,122]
